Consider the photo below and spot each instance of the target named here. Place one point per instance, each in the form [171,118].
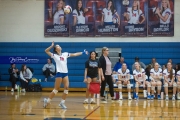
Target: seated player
[140,79]
[123,79]
[169,80]
[156,76]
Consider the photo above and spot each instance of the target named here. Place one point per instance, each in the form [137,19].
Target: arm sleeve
[44,67]
[21,76]
[86,64]
[103,11]
[53,68]
[74,13]
[99,65]
[66,54]
[61,15]
[30,73]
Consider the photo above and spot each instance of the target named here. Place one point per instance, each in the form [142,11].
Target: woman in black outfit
[106,66]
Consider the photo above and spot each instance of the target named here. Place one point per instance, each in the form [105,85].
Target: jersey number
[123,76]
[139,75]
[61,59]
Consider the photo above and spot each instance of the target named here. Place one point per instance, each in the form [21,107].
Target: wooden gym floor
[29,106]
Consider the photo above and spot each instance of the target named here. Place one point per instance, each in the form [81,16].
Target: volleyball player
[108,13]
[178,81]
[140,79]
[78,13]
[133,14]
[61,72]
[164,13]
[123,79]
[169,80]
[92,71]
[156,76]
[58,15]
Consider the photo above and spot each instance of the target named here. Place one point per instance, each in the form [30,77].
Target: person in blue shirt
[119,64]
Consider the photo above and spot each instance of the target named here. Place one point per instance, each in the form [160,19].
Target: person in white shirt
[109,13]
[169,80]
[78,13]
[164,13]
[123,79]
[178,81]
[25,76]
[140,79]
[58,15]
[61,72]
[156,76]
[133,14]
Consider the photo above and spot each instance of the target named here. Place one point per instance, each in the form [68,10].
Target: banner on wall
[56,23]
[161,18]
[107,17]
[134,18]
[82,20]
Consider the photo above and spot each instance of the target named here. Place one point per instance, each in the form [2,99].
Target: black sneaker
[103,101]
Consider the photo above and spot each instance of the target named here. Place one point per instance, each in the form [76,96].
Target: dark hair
[81,9]
[12,64]
[178,66]
[112,6]
[22,68]
[120,58]
[50,59]
[91,53]
[54,50]
[57,8]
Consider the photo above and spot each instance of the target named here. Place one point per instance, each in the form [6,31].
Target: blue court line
[91,113]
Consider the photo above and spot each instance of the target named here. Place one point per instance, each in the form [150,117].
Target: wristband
[84,52]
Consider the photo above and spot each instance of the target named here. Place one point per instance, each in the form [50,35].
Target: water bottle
[39,80]
[18,88]
[145,93]
[6,88]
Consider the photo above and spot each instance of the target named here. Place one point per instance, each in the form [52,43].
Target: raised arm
[47,50]
[78,53]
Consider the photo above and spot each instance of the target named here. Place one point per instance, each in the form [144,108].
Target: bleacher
[145,51]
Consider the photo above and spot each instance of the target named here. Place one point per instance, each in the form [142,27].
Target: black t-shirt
[92,68]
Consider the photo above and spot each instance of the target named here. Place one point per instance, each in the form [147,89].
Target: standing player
[109,13]
[58,15]
[133,14]
[61,72]
[92,70]
[140,79]
[78,13]
[123,79]
[156,76]
[169,80]
[164,13]
[178,82]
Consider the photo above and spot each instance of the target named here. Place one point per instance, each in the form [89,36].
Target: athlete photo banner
[161,18]
[107,17]
[134,18]
[82,18]
[56,22]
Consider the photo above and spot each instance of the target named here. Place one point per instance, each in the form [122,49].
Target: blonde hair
[138,6]
[168,5]
[140,69]
[103,49]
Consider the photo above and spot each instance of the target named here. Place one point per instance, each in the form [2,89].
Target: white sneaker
[103,101]
[12,90]
[120,97]
[173,98]
[23,90]
[167,98]
[45,103]
[16,87]
[85,101]
[92,101]
[62,105]
[129,97]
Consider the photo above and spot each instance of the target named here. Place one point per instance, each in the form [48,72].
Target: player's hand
[26,81]
[99,81]
[85,81]
[52,44]
[85,9]
[102,78]
[144,85]
[125,14]
[157,11]
[139,82]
